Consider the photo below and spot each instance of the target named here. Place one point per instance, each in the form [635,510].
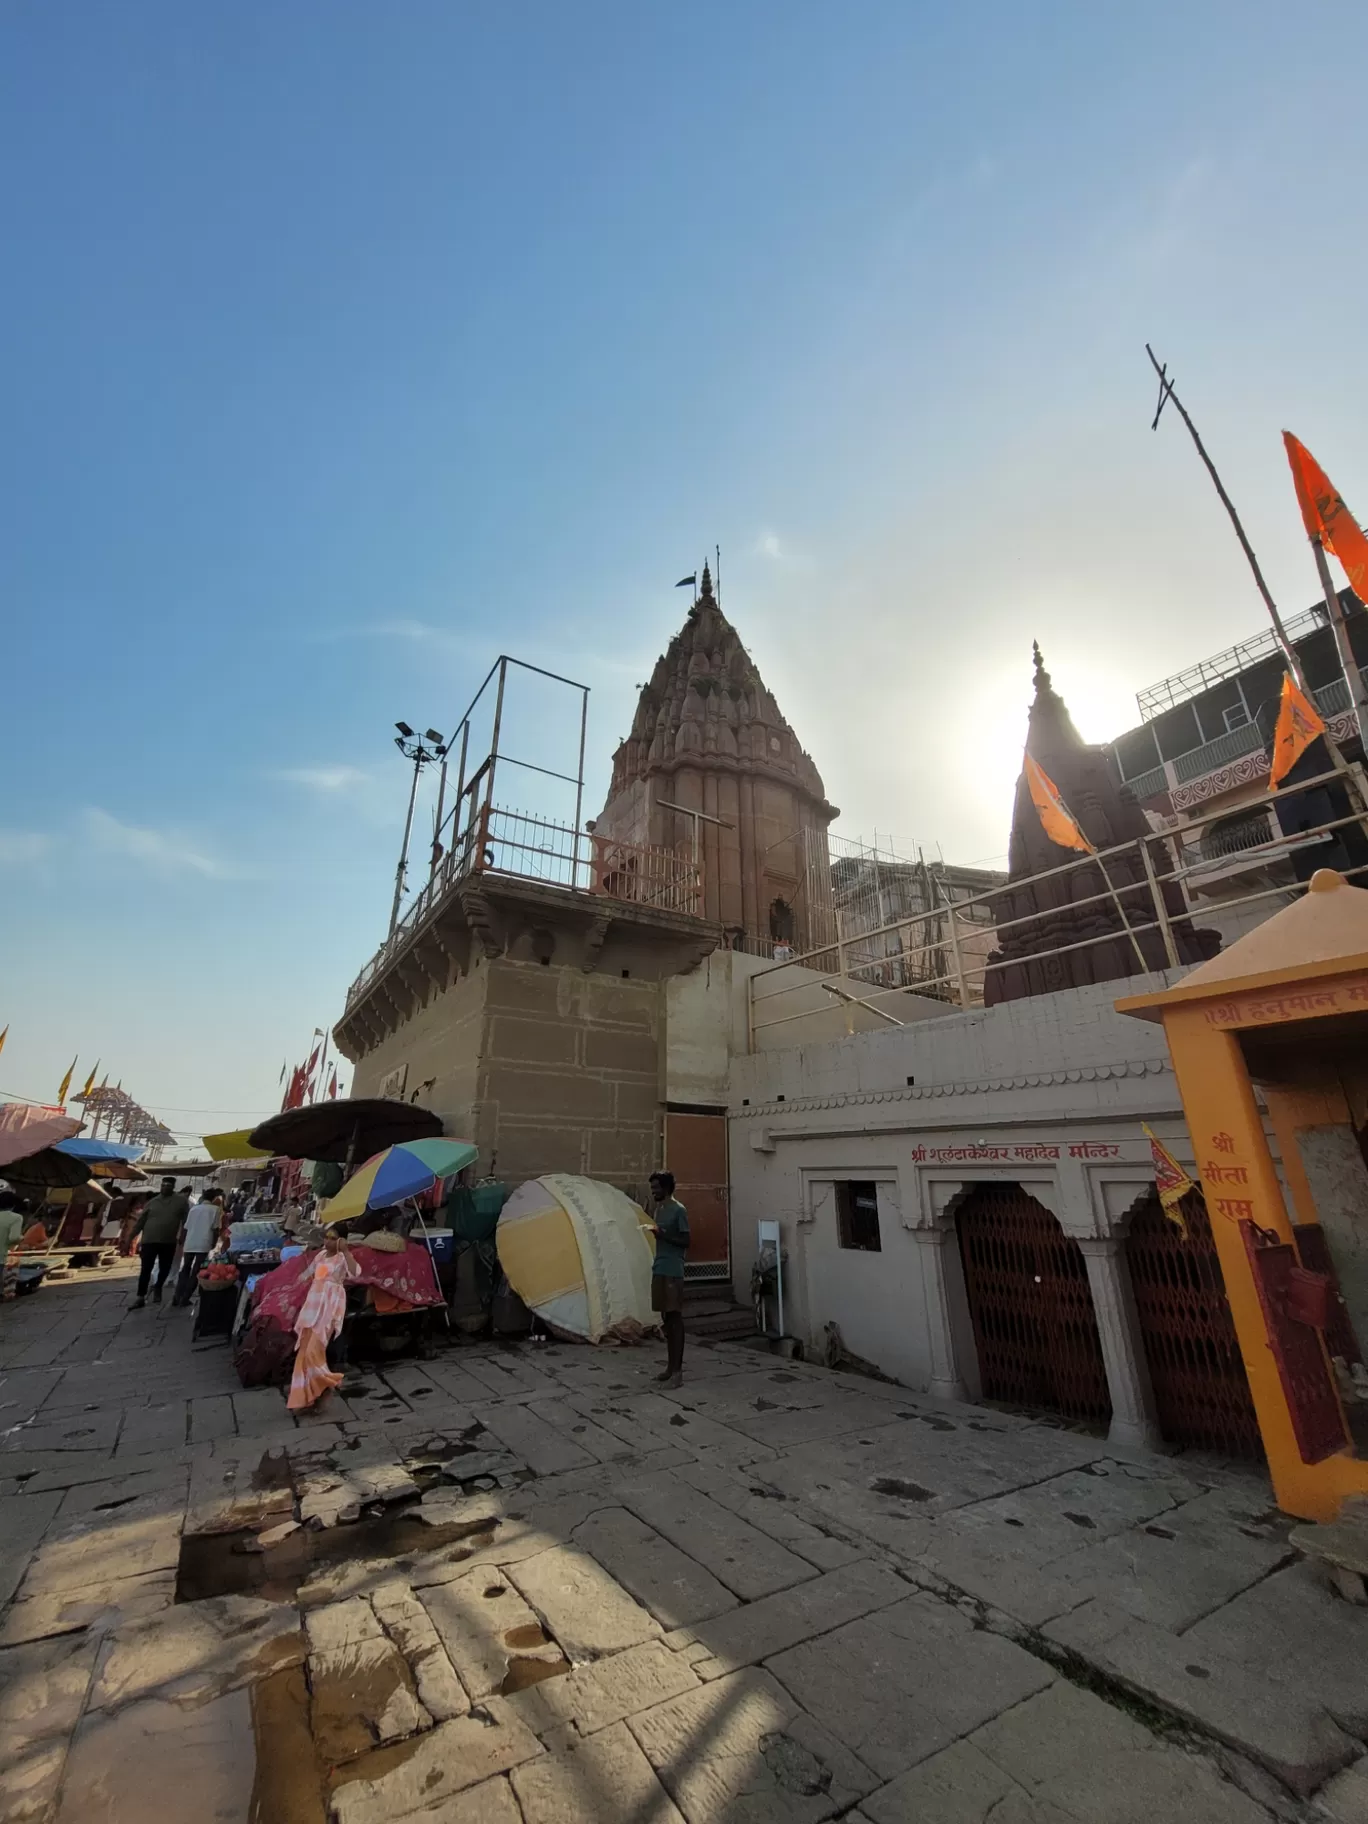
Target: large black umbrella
[344,1131]
[47,1170]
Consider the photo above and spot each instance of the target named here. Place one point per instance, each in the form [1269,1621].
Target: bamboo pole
[1358,697]
[1167,393]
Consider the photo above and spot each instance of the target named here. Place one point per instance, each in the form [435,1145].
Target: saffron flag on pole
[1299,724]
[66,1084]
[3,1036]
[89,1083]
[1170,1180]
[1327,520]
[1055,818]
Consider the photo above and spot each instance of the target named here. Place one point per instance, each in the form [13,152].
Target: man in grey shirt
[158,1229]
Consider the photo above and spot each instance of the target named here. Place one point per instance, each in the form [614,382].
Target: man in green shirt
[159,1229]
[671,1231]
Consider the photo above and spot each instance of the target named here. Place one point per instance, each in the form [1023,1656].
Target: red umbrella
[26,1128]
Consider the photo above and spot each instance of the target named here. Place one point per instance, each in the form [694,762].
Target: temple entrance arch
[1201,1391]
[1031,1305]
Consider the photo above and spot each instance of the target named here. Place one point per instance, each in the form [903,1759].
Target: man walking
[671,1230]
[159,1228]
[201,1237]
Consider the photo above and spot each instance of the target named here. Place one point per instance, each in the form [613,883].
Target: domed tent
[578,1253]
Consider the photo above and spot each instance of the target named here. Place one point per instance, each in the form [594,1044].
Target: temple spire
[705,590]
[1050,729]
[1063,930]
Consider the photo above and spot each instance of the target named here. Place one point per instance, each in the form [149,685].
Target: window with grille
[857,1215]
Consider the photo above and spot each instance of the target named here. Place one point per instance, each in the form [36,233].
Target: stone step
[706,1291]
[726,1325]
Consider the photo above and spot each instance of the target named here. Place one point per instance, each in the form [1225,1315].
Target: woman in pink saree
[318,1323]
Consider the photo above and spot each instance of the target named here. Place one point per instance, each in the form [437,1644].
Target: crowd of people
[175,1236]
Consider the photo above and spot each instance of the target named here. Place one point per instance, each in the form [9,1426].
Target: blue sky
[347,346]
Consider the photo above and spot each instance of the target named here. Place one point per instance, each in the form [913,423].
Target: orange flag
[3,1036]
[1327,520]
[66,1085]
[1055,818]
[1299,723]
[1170,1180]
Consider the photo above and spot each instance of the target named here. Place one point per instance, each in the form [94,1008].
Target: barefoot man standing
[671,1231]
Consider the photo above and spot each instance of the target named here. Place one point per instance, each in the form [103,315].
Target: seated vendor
[35,1236]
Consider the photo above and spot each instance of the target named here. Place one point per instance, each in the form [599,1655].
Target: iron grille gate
[1201,1393]
[1031,1305]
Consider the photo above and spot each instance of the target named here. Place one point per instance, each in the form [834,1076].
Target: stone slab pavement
[524,1585]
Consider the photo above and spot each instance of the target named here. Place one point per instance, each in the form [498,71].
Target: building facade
[1202,750]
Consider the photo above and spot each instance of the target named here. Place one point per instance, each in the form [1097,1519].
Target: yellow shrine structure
[1274,1032]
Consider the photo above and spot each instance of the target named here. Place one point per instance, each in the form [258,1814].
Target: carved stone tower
[1053,917]
[708,737]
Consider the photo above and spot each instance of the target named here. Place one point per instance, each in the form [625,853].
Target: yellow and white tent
[578,1253]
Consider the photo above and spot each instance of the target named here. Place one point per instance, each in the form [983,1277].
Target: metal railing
[1237,833]
[1147,784]
[1137,893]
[1170,691]
[1211,754]
[521,847]
[1332,699]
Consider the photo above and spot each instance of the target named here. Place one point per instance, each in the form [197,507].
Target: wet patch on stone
[1081,1520]
[235,1564]
[522,1674]
[902,1489]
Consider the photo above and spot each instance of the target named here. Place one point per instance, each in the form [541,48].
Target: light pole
[411,747]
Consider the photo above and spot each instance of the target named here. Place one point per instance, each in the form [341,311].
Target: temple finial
[705,588]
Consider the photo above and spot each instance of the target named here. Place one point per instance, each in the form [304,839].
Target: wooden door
[696,1152]
[1031,1305]
[1201,1391]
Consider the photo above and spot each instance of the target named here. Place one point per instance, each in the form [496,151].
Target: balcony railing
[1220,752]
[1332,700]
[516,846]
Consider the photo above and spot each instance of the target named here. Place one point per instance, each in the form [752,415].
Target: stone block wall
[438,1045]
[545,1068]
[569,1077]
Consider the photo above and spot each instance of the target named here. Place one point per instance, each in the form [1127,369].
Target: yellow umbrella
[234,1146]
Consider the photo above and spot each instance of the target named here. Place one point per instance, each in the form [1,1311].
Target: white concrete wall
[706,1019]
[1049,1093]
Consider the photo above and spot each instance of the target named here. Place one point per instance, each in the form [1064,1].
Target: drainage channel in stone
[308,1738]
[234,1564]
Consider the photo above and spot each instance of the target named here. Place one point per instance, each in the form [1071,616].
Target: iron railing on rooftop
[522,847]
[1137,894]
[1154,699]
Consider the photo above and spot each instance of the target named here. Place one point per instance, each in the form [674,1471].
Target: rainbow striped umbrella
[406,1170]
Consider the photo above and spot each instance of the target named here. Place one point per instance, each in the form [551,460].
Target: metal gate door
[1032,1306]
[696,1152]
[1201,1393]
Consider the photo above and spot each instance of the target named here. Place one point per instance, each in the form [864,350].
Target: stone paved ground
[531,1588]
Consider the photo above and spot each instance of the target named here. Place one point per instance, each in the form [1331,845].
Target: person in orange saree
[318,1323]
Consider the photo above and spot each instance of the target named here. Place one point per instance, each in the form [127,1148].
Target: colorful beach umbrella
[406,1170]
[579,1253]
